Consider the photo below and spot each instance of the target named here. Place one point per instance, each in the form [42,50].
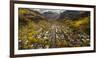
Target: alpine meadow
[40,28]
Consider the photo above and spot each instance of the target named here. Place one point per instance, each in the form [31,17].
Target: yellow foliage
[22,11]
[82,21]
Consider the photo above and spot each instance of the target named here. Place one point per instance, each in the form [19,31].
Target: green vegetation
[36,32]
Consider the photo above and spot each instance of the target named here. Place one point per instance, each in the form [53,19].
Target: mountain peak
[51,15]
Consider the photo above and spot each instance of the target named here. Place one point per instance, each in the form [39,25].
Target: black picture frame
[12,51]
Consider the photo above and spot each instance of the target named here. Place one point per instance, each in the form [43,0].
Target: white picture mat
[34,51]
